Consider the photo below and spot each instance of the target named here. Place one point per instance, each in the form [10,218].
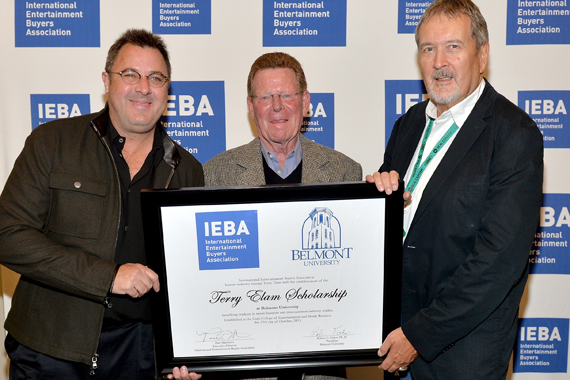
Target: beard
[432,88]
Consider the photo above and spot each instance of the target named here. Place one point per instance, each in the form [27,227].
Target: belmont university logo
[321,240]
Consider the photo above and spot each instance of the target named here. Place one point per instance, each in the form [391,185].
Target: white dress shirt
[457,114]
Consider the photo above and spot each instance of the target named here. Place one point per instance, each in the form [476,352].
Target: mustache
[442,73]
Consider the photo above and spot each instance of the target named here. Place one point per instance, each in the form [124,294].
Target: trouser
[125,353]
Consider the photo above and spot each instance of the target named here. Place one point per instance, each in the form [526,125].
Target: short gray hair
[454,9]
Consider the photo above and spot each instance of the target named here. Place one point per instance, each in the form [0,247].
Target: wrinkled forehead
[281,76]
[451,26]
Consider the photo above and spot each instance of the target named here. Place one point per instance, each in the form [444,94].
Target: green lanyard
[420,167]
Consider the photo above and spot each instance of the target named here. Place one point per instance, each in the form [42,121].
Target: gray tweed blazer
[243,166]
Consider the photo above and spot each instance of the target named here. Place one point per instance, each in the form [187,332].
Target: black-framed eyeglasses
[131,76]
[288,96]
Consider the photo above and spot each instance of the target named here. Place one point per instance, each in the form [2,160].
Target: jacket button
[77,184]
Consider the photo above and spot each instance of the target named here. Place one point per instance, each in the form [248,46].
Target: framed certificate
[273,277]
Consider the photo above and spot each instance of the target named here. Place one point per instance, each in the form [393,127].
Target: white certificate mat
[273,277]
[297,299]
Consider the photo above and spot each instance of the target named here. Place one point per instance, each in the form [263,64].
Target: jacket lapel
[314,162]
[250,166]
[413,136]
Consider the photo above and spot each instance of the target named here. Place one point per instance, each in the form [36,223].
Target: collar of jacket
[171,154]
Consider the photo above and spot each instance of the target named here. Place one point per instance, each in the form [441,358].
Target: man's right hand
[387,182]
[135,280]
[399,350]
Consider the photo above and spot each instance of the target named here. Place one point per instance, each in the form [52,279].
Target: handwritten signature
[337,332]
[218,333]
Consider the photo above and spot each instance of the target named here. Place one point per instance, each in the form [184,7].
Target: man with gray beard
[472,162]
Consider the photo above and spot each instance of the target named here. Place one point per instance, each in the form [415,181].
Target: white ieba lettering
[409,100]
[548,217]
[57,110]
[544,107]
[186,106]
[320,111]
[225,228]
[539,333]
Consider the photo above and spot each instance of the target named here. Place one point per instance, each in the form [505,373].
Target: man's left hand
[400,351]
[387,182]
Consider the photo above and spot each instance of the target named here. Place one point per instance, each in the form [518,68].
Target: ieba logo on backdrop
[304,23]
[318,124]
[195,117]
[538,22]
[181,17]
[227,239]
[400,95]
[549,252]
[50,23]
[48,107]
[321,240]
[542,345]
[549,109]
[409,14]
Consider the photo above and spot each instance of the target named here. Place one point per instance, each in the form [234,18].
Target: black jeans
[125,353]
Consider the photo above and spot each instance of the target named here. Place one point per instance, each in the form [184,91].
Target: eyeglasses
[131,76]
[285,97]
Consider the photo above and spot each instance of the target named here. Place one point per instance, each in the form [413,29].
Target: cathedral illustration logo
[321,230]
[321,240]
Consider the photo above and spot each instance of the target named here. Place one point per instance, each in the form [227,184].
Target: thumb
[384,348]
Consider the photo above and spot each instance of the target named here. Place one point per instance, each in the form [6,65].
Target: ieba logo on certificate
[227,240]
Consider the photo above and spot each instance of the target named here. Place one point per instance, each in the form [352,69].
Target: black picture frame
[154,200]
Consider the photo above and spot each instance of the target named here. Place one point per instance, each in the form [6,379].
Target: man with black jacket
[472,162]
[71,226]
